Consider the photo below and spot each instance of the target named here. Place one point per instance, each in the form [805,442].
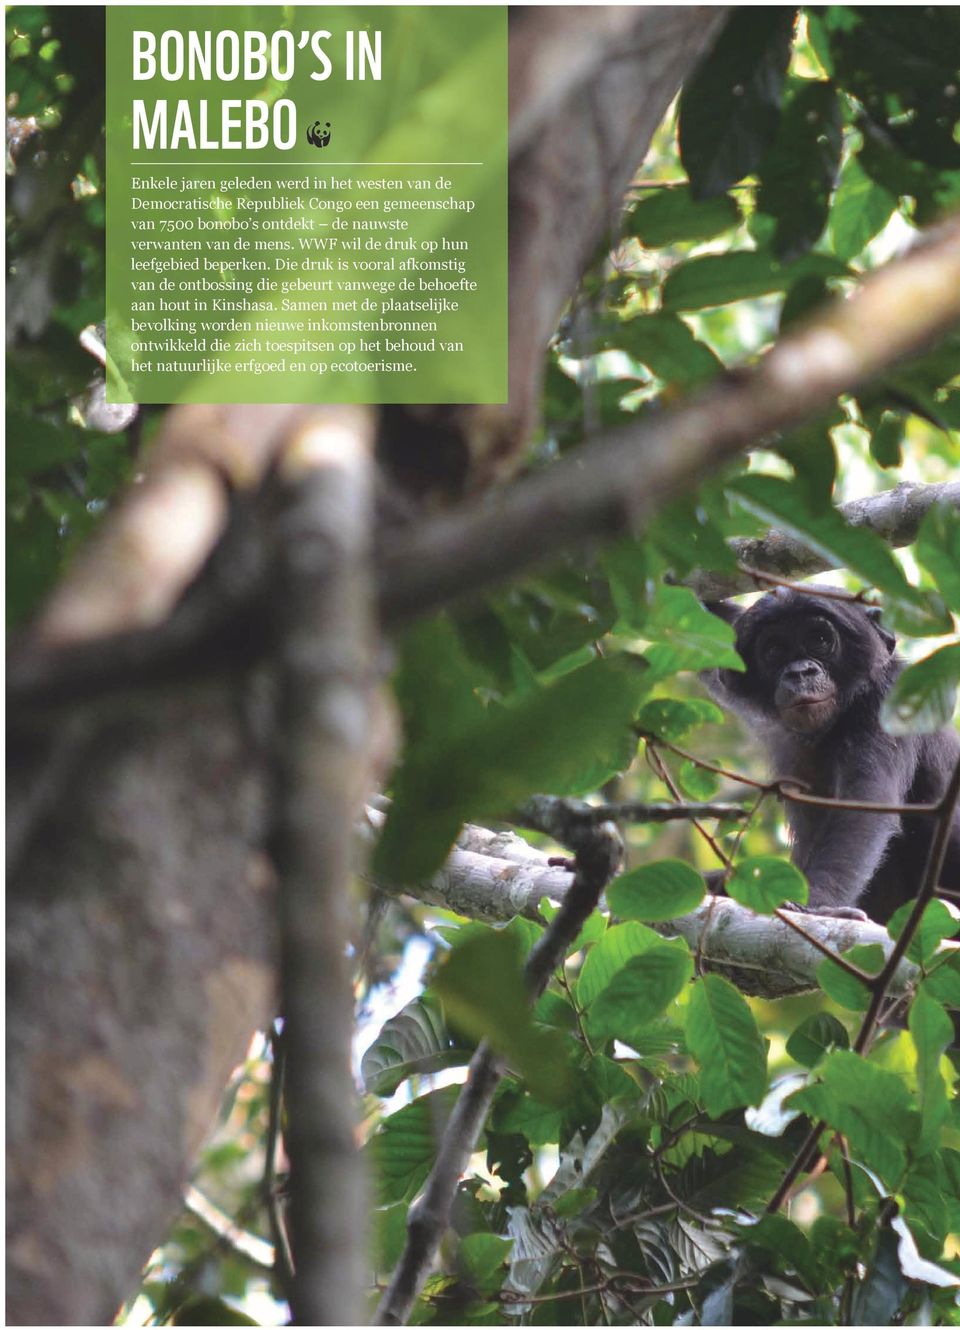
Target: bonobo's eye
[770,651]
[820,638]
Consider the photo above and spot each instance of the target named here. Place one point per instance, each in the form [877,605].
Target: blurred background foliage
[807,150]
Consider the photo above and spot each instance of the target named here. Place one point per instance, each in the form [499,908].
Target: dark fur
[816,710]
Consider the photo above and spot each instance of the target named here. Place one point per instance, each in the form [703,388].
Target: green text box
[307,204]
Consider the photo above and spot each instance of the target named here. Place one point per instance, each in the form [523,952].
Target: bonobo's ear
[889,640]
[724,609]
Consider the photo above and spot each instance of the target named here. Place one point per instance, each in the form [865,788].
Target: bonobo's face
[796,659]
[808,657]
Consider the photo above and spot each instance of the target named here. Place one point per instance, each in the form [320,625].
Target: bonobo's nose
[801,671]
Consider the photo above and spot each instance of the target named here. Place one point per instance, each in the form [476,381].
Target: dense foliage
[650,1110]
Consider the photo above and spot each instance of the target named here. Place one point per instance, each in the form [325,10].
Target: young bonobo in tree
[817,672]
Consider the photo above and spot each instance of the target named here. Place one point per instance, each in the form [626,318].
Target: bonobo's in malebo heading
[818,669]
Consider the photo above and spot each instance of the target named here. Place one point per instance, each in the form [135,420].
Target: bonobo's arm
[839,850]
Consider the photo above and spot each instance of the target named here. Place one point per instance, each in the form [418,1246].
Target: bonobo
[817,672]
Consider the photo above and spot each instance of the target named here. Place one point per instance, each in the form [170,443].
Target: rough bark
[141,956]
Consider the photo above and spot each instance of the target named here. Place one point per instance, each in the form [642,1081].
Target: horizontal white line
[252,166]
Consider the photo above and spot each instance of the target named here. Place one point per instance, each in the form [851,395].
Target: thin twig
[282,1258]
[663,772]
[807,588]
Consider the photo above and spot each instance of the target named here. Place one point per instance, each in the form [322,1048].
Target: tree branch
[770,957]
[325,676]
[894,515]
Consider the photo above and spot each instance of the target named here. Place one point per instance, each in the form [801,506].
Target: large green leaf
[665,344]
[484,995]
[639,992]
[860,209]
[815,1037]
[938,550]
[415,1042]
[765,882]
[672,215]
[718,279]
[404,1147]
[566,738]
[658,891]
[931,1030]
[799,170]
[870,1106]
[938,922]
[729,109]
[723,1037]
[924,696]
[845,988]
[618,945]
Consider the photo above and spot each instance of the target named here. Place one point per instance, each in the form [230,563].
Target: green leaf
[809,450]
[798,171]
[723,1037]
[484,995]
[696,782]
[668,216]
[698,639]
[887,430]
[861,208]
[483,1258]
[931,1030]
[638,992]
[671,719]
[924,696]
[538,1123]
[404,1147]
[688,537]
[870,1106]
[718,279]
[618,945]
[666,345]
[566,738]
[765,882]
[807,294]
[845,988]
[815,1037]
[658,891]
[782,1238]
[938,922]
[415,1042]
[729,109]
[943,981]
[938,550]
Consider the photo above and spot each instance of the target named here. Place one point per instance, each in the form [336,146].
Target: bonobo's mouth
[810,712]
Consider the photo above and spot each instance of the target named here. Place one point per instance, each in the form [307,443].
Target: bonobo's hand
[829,911]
